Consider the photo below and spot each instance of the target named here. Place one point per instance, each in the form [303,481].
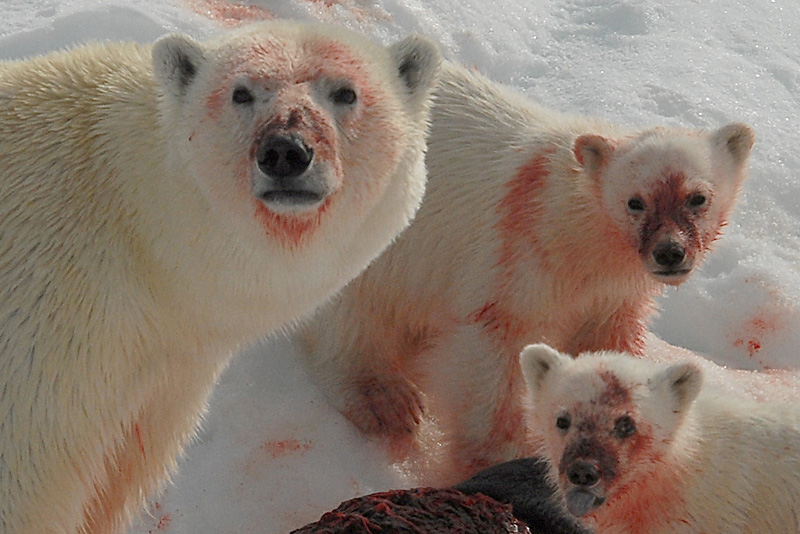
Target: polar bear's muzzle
[584,493]
[287,176]
[671,260]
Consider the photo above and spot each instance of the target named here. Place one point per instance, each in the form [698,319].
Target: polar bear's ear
[681,382]
[736,139]
[536,361]
[417,60]
[593,152]
[176,59]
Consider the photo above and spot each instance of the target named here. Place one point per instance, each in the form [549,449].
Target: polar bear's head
[669,191]
[608,420]
[300,131]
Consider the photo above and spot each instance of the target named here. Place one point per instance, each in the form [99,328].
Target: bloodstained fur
[668,208]
[297,115]
[635,499]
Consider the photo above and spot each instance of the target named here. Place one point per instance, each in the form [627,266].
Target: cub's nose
[583,473]
[669,254]
[284,157]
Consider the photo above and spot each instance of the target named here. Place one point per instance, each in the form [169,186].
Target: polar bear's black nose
[669,254]
[583,473]
[284,157]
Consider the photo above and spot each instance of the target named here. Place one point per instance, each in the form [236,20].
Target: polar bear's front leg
[382,402]
[478,393]
[362,371]
[146,454]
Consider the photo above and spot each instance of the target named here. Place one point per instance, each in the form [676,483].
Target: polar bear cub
[640,447]
[162,206]
[537,226]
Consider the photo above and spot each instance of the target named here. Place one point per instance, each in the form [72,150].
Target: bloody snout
[287,176]
[283,157]
[583,473]
[669,254]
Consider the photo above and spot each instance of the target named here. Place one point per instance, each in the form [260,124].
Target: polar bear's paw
[389,406]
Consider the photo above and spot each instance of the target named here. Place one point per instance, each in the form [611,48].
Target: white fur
[449,306]
[133,266]
[713,461]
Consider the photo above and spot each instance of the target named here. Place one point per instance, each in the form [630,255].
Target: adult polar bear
[162,206]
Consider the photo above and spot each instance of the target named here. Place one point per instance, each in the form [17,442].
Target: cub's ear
[736,139]
[417,60]
[593,152]
[176,60]
[680,383]
[536,361]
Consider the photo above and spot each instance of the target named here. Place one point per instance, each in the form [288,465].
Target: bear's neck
[648,505]
[656,501]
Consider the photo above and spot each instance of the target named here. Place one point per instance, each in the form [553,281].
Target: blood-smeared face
[661,196]
[596,437]
[286,125]
[613,430]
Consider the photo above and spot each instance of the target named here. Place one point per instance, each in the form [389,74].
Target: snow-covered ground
[272,455]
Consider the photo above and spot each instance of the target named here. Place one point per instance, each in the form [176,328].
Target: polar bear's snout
[287,175]
[284,157]
[672,257]
[669,254]
[671,262]
[583,473]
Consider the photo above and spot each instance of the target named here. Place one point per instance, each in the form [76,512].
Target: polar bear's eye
[242,95]
[624,427]
[344,96]
[696,200]
[636,204]
[563,422]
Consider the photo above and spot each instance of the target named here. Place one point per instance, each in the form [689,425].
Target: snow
[272,455]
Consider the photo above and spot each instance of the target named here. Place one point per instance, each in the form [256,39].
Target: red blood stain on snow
[752,333]
[752,345]
[163,521]
[286,447]
[227,13]
[355,486]
[768,319]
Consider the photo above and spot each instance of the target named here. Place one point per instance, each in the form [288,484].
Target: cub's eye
[242,95]
[696,200]
[624,427]
[636,205]
[563,423]
[344,96]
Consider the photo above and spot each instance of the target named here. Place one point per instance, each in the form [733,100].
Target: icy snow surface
[272,455]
